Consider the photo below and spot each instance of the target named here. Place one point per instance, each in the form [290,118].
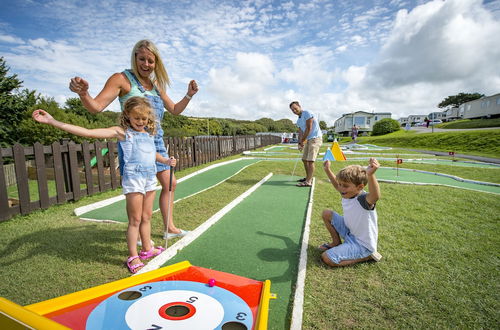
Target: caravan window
[359,121]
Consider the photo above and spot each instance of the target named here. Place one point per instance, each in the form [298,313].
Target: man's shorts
[311,149]
[350,249]
[138,181]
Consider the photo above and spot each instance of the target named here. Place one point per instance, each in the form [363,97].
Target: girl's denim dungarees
[157,105]
[139,157]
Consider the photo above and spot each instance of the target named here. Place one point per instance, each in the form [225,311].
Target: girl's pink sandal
[151,253]
[133,268]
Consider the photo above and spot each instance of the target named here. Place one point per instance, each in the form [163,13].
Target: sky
[252,58]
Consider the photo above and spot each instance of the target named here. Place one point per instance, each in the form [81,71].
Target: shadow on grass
[289,253]
[84,244]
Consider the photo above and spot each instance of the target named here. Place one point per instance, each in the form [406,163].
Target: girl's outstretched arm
[44,117]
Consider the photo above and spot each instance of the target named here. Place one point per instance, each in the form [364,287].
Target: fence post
[41,175]
[88,168]
[195,152]
[74,171]
[22,178]
[4,199]
[66,166]
[115,182]
[58,172]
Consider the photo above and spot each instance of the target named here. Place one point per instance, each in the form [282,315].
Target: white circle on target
[144,313]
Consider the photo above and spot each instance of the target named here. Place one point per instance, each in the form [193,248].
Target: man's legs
[309,167]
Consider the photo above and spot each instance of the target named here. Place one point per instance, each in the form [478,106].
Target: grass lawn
[440,247]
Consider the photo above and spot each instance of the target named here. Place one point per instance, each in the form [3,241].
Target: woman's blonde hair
[160,76]
[140,105]
[354,174]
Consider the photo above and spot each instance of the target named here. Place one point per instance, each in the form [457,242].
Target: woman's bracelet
[188,97]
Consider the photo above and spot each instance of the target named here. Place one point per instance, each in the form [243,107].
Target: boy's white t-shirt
[361,221]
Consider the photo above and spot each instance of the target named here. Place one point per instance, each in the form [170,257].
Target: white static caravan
[485,107]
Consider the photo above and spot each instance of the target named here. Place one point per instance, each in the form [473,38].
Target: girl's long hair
[140,105]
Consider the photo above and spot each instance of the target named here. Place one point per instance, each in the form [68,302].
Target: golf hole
[177,311]
[130,295]
[234,326]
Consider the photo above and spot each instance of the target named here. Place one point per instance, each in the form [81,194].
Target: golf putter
[168,204]
[296,162]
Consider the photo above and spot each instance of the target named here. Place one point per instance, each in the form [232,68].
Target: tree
[288,125]
[31,131]
[461,98]
[13,105]
[102,119]
[385,126]
[323,125]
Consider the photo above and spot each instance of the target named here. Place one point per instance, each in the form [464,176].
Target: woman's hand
[79,86]
[192,88]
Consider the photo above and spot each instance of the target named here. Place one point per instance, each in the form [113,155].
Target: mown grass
[436,245]
[440,266]
[472,123]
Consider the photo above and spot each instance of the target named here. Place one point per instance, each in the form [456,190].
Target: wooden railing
[62,171]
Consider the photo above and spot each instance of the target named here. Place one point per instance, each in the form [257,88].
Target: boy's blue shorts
[350,249]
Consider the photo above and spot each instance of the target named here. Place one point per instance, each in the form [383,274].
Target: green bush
[385,126]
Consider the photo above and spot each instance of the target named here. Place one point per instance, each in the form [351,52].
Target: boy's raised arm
[329,173]
[373,187]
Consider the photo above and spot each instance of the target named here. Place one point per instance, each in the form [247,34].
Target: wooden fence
[55,174]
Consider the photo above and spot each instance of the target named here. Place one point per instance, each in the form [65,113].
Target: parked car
[435,122]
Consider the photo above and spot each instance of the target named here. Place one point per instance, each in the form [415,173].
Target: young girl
[136,141]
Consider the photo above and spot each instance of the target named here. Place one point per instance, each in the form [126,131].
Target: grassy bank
[479,143]
[471,123]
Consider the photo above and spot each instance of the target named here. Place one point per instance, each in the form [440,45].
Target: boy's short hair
[354,174]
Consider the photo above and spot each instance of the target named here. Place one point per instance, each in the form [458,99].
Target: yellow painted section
[14,316]
[263,312]
[337,152]
[52,305]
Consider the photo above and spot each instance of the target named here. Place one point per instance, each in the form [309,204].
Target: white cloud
[435,50]
[10,39]
[251,59]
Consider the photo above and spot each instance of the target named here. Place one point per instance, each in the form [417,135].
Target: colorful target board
[180,296]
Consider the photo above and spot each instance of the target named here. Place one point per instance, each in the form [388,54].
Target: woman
[147,78]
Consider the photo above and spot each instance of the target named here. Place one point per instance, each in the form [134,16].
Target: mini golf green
[259,238]
[391,174]
[185,188]
[449,162]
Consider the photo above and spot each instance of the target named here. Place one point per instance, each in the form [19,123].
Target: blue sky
[252,58]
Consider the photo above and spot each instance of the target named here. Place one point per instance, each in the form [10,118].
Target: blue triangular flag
[328,155]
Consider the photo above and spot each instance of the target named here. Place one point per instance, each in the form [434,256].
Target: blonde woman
[147,78]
